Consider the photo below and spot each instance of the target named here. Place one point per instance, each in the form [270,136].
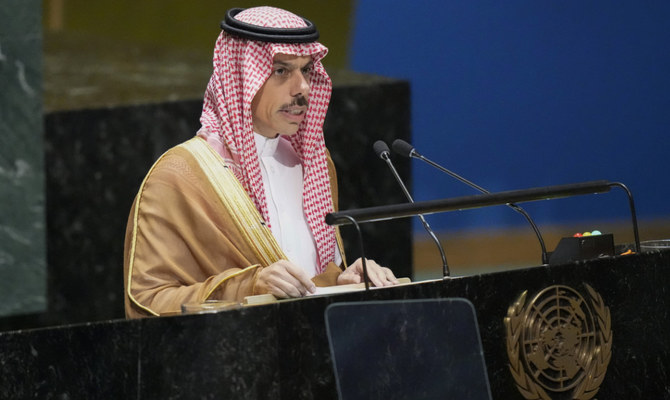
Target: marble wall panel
[22,220]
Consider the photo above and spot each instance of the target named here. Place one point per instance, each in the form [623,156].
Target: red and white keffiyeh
[241,67]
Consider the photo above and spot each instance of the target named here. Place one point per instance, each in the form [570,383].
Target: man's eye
[280,71]
[307,70]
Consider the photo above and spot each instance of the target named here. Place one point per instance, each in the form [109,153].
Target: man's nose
[301,85]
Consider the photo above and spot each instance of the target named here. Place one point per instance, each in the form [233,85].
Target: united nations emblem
[559,344]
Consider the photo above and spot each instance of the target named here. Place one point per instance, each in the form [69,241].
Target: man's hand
[284,279]
[379,276]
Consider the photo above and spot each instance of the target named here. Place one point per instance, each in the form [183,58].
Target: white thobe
[282,175]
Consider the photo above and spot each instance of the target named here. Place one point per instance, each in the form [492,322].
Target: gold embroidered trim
[237,203]
[340,247]
[134,241]
[229,277]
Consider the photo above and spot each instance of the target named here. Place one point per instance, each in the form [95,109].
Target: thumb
[345,279]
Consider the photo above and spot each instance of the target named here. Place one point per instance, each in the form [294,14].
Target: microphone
[407,150]
[383,152]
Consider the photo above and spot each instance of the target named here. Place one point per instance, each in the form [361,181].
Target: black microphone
[407,150]
[383,152]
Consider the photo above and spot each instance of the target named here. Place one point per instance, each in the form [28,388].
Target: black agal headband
[232,26]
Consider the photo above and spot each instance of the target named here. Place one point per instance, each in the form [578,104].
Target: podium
[281,350]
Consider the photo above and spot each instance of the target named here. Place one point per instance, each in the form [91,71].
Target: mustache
[298,101]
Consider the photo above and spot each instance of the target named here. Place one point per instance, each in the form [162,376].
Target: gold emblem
[559,342]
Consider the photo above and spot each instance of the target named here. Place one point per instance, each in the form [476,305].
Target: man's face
[281,103]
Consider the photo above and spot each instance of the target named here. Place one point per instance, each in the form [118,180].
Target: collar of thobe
[266,147]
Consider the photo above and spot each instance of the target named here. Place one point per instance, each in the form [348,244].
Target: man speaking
[239,209]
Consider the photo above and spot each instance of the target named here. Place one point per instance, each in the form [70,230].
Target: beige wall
[190,25]
[476,251]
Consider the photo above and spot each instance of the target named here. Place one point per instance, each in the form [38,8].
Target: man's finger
[374,272]
[277,292]
[292,279]
[285,289]
[379,276]
[300,278]
[349,277]
[390,276]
